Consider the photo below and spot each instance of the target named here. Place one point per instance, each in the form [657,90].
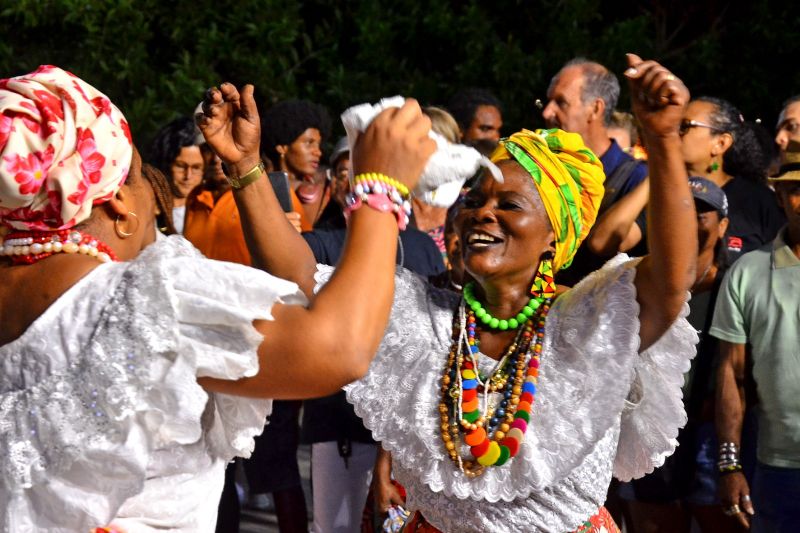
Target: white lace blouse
[601,407]
[101,417]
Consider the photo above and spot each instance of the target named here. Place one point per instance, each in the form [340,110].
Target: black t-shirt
[754,215]
[332,418]
[416,252]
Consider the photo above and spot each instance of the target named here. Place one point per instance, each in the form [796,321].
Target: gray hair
[598,82]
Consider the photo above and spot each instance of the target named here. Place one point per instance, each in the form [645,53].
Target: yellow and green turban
[569,178]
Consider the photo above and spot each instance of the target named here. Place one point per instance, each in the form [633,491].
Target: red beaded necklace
[28,247]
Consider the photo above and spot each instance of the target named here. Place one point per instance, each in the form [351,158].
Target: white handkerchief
[447,170]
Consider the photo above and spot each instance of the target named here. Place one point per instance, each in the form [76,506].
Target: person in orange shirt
[212,219]
[292,133]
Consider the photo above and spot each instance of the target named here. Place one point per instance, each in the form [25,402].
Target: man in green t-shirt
[759,305]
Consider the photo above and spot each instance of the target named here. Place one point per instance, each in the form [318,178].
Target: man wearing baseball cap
[759,305]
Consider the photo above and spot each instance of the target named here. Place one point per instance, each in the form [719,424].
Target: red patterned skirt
[599,523]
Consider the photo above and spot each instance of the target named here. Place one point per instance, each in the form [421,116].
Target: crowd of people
[515,354]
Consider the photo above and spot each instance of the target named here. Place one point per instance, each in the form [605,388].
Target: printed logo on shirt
[735,244]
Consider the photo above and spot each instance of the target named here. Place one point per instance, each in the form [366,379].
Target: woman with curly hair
[292,135]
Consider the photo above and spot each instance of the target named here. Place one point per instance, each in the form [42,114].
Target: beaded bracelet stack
[25,248]
[381,193]
[728,461]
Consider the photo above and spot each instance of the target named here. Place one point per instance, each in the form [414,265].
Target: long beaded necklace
[495,436]
[26,248]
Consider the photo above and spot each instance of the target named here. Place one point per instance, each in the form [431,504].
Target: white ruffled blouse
[101,417]
[601,407]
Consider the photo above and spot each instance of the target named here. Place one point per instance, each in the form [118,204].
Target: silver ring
[746,497]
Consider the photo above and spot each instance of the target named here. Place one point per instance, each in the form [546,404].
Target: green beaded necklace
[497,323]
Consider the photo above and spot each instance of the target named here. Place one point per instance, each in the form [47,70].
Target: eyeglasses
[183,168]
[686,125]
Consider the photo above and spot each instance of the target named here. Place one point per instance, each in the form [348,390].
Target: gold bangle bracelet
[248,177]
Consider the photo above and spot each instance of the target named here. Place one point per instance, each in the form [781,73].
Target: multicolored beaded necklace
[28,247]
[495,436]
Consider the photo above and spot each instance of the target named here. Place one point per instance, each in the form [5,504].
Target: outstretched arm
[663,277]
[314,351]
[232,128]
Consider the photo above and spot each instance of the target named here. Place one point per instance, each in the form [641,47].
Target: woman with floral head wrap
[122,377]
[507,409]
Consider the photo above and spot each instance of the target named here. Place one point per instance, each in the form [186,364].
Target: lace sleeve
[590,361]
[654,410]
[78,442]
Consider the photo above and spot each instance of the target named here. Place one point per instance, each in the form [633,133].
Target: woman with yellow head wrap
[569,178]
[507,409]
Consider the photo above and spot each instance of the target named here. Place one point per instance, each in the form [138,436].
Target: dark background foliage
[154,58]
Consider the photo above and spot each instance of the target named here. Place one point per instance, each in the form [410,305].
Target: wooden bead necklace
[495,436]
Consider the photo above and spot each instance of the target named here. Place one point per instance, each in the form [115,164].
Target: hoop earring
[543,282]
[124,234]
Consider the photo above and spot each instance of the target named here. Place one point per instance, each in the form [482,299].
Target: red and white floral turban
[64,147]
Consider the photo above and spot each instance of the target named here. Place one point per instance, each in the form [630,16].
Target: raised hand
[396,143]
[230,124]
[658,98]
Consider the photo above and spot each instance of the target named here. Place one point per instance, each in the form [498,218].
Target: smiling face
[301,158]
[503,228]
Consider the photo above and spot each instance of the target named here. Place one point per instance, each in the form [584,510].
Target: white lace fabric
[101,417]
[584,424]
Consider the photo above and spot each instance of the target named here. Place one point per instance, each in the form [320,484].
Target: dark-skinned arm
[383,490]
[666,274]
[315,350]
[263,221]
[728,418]
[264,225]
[616,230]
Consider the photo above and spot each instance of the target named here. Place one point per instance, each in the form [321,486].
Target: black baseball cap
[710,193]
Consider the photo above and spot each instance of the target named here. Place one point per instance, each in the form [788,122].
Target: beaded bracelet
[380,202]
[380,193]
[370,178]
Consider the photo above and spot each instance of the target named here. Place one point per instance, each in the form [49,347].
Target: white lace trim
[589,362]
[82,411]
